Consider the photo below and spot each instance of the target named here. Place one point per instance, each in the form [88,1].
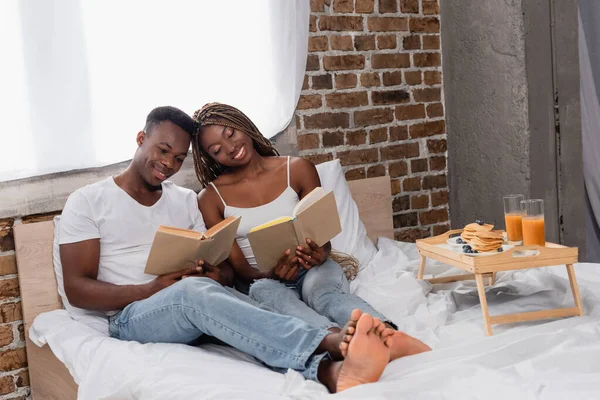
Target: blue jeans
[320,296]
[194,307]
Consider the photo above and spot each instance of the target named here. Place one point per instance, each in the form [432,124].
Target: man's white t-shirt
[125,227]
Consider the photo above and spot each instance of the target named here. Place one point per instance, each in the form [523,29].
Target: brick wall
[372,97]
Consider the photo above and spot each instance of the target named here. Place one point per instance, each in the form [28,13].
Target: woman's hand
[287,268]
[312,255]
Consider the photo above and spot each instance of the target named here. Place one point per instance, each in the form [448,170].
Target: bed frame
[49,378]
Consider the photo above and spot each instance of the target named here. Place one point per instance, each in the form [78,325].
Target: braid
[208,169]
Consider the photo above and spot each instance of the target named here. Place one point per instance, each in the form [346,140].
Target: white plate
[505,247]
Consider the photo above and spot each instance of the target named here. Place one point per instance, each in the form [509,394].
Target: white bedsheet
[535,360]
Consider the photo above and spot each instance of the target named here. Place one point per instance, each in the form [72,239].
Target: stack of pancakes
[470,230]
[487,241]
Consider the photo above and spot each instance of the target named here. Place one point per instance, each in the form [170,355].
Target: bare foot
[336,343]
[348,331]
[366,356]
[401,344]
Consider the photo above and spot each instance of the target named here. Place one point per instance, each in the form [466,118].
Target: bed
[546,359]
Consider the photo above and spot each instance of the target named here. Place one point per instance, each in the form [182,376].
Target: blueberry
[500,249]
[479,222]
[460,241]
[475,251]
[469,251]
[466,247]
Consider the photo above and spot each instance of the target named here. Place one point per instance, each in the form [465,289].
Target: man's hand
[166,280]
[209,271]
[311,255]
[287,268]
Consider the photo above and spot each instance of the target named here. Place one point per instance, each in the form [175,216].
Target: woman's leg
[284,300]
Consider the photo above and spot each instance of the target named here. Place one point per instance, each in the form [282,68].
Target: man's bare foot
[401,344]
[349,330]
[336,343]
[366,356]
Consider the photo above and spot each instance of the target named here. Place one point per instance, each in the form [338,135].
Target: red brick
[365,6]
[340,23]
[392,78]
[399,168]
[404,220]
[425,25]
[375,170]
[437,146]
[380,61]
[433,216]
[365,42]
[322,81]
[419,165]
[428,95]
[308,101]
[439,198]
[427,59]
[345,81]
[331,139]
[10,312]
[419,201]
[399,132]
[378,135]
[8,265]
[388,6]
[312,24]
[427,129]
[434,182]
[435,110]
[305,83]
[399,151]
[356,137]
[431,7]
[318,5]
[387,24]
[437,163]
[336,63]
[13,359]
[7,385]
[6,335]
[318,43]
[439,229]
[416,111]
[370,79]
[386,41]
[319,158]
[298,121]
[432,77]
[412,77]
[409,6]
[354,174]
[375,116]
[354,157]
[343,6]
[395,186]
[347,99]
[326,120]
[411,42]
[401,203]
[312,63]
[390,97]
[7,242]
[412,235]
[310,141]
[341,43]
[431,42]
[23,378]
[411,184]
[9,288]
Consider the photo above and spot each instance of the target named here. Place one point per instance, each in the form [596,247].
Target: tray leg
[492,279]
[421,268]
[484,305]
[574,288]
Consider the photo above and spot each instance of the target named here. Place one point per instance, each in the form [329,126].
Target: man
[106,231]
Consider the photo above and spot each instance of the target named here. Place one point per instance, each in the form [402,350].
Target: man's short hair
[171,114]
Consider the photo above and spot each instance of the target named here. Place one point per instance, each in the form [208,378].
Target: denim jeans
[320,296]
[194,307]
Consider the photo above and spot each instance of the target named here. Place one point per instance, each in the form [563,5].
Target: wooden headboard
[49,378]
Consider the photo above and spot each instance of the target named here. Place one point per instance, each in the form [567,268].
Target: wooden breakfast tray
[509,260]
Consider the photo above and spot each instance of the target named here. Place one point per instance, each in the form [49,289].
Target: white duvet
[537,360]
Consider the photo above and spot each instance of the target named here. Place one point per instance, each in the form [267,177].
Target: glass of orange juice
[513,218]
[533,222]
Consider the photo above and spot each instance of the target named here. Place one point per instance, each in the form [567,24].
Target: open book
[174,248]
[315,217]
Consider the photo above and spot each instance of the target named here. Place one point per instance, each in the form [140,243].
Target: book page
[315,195]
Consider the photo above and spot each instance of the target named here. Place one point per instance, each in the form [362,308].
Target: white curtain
[78,77]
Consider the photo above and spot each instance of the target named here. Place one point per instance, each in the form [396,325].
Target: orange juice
[514,227]
[533,231]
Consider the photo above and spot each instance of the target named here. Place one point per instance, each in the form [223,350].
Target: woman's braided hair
[208,169]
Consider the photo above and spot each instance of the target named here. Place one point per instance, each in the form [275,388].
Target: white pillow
[353,239]
[95,319]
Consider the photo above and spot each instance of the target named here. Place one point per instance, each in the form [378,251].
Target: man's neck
[135,186]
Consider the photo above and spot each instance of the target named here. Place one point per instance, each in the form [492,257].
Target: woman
[244,176]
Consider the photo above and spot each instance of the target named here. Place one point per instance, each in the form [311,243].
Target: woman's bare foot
[401,344]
